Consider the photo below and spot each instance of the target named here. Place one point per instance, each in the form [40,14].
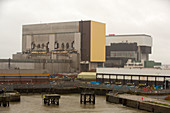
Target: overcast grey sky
[151,17]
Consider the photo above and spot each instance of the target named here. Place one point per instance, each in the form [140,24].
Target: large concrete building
[72,47]
[63,47]
[75,47]
[121,48]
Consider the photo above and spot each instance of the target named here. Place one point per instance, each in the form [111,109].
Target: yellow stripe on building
[97,45]
[24,75]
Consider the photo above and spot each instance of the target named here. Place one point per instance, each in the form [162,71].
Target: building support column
[164,83]
[116,78]
[123,79]
[139,79]
[102,78]
[109,79]
[155,81]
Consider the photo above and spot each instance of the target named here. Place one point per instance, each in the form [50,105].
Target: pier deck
[140,102]
[145,99]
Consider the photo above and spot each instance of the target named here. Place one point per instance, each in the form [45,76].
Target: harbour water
[68,104]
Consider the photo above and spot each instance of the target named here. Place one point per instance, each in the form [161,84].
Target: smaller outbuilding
[87,76]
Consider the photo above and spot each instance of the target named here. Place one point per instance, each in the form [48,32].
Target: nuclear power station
[73,47]
[61,47]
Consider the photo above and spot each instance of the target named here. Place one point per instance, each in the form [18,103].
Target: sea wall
[137,104]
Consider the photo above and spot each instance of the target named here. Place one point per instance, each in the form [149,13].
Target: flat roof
[140,39]
[128,35]
[134,72]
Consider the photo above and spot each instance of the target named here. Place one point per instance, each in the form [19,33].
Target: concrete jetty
[14,96]
[140,102]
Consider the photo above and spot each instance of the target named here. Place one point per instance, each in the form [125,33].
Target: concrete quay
[140,102]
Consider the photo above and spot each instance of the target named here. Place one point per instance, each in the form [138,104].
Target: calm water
[68,104]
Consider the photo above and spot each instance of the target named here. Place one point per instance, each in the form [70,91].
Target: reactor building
[62,47]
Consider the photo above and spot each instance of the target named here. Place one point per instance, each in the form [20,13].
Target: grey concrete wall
[161,109]
[132,103]
[40,39]
[58,67]
[20,56]
[68,38]
[39,56]
[30,56]
[60,56]
[22,65]
[4,65]
[112,99]
[146,106]
[43,39]
[51,41]
[44,33]
[23,43]
[77,44]
[51,28]
[23,71]
[53,67]
[41,34]
[28,42]
[75,64]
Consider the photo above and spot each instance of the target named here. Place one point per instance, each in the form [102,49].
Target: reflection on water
[88,106]
[68,104]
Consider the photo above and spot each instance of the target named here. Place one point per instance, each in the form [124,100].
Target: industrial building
[89,76]
[121,48]
[73,47]
[60,47]
[149,77]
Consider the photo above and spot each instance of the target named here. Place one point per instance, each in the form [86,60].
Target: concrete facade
[121,48]
[23,71]
[48,37]
[53,66]
[53,41]
[73,41]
